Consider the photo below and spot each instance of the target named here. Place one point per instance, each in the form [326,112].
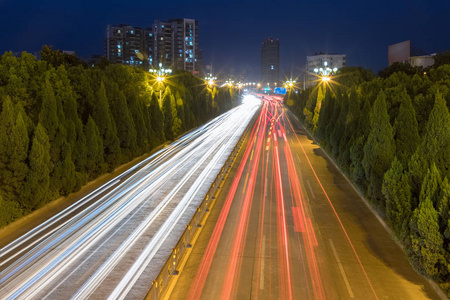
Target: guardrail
[170,269]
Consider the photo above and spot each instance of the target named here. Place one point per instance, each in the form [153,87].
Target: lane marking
[341,268]
[298,157]
[310,188]
[261,272]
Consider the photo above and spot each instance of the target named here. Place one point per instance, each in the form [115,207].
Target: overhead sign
[280,90]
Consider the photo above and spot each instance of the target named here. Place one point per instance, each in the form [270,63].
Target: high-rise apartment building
[124,44]
[270,62]
[322,61]
[173,43]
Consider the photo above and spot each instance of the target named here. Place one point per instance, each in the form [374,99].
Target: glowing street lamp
[289,84]
[326,72]
[160,75]
[210,80]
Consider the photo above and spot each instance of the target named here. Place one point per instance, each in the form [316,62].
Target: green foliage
[441,59]
[426,241]
[37,186]
[94,145]
[379,150]
[406,130]
[397,191]
[404,168]
[405,68]
[83,122]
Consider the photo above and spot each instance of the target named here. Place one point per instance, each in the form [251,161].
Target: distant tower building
[124,44]
[405,52]
[172,43]
[323,60]
[270,62]
[175,45]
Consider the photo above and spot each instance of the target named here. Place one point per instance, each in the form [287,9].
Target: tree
[320,97]
[441,59]
[168,118]
[38,179]
[176,123]
[426,241]
[431,186]
[107,128]
[94,155]
[434,147]
[157,120]
[406,130]
[379,150]
[399,67]
[13,152]
[126,131]
[66,172]
[397,191]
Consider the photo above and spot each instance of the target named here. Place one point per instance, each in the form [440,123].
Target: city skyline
[361,30]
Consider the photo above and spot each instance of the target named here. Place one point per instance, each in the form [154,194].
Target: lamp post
[326,72]
[289,84]
[160,75]
[210,80]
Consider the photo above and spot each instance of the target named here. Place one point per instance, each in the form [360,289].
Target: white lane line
[298,157]
[349,288]
[261,272]
[310,188]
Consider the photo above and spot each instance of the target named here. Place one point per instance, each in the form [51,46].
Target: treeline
[63,123]
[391,136]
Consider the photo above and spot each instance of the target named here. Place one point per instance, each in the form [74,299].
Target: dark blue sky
[231,32]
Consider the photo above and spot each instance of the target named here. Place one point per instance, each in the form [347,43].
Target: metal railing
[170,269]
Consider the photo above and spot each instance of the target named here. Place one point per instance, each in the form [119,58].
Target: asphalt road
[113,242]
[290,226]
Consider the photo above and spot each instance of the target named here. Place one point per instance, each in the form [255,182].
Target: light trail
[335,213]
[141,206]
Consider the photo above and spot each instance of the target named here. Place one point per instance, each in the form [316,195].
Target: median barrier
[170,269]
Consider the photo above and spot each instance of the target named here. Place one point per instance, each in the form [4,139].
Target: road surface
[291,227]
[113,242]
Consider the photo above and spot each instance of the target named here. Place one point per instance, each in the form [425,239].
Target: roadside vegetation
[391,136]
[63,123]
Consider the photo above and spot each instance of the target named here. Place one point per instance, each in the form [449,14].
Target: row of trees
[392,138]
[62,123]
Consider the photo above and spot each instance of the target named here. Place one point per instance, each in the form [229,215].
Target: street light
[326,72]
[160,75]
[289,83]
[210,80]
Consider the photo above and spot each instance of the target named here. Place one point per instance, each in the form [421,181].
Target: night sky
[231,32]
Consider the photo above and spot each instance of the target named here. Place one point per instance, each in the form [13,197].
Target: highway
[289,226]
[112,243]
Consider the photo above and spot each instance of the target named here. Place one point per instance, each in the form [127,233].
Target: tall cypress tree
[176,123]
[94,155]
[107,128]
[426,249]
[14,144]
[434,147]
[431,186]
[379,150]
[397,191]
[168,118]
[406,130]
[126,130]
[157,119]
[38,179]
[320,97]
